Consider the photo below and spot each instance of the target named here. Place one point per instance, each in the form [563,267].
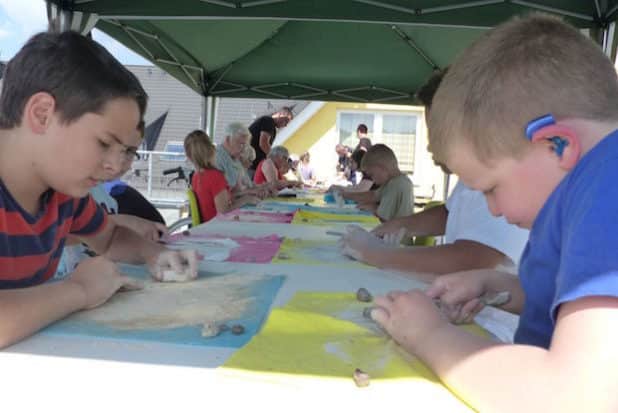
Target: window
[176,147]
[397,130]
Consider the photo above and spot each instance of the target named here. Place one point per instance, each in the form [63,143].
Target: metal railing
[146,175]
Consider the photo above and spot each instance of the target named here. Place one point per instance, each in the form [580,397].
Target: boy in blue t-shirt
[491,123]
[69,116]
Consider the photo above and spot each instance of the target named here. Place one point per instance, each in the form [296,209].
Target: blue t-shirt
[572,249]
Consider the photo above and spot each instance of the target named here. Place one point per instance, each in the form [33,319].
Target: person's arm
[577,373]
[462,255]
[121,244]
[431,221]
[24,311]
[265,142]
[361,197]
[150,230]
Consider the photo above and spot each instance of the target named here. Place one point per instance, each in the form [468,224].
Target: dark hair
[362,128]
[357,156]
[425,93]
[78,72]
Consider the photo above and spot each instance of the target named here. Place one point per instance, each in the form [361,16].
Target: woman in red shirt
[272,169]
[211,189]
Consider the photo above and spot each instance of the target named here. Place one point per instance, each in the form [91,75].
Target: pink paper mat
[259,249]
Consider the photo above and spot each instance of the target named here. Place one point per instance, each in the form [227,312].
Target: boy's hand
[356,243]
[407,316]
[174,266]
[99,279]
[459,295]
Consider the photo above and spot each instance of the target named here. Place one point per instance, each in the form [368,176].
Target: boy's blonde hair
[200,149]
[519,71]
[380,155]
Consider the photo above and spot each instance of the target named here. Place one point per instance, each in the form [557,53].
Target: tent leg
[209,118]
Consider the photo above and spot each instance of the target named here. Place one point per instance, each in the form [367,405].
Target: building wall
[319,136]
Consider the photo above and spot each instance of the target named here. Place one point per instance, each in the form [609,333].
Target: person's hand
[251,200]
[174,266]
[407,316]
[394,238]
[150,230]
[459,295]
[99,279]
[392,226]
[357,242]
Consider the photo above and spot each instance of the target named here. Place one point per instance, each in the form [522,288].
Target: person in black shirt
[364,142]
[263,131]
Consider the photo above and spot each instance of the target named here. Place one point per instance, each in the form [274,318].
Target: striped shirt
[31,245]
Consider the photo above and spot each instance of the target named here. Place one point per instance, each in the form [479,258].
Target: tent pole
[210,115]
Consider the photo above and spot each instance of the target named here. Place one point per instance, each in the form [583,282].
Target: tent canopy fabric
[338,50]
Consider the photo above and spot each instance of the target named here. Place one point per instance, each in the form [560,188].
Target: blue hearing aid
[546,125]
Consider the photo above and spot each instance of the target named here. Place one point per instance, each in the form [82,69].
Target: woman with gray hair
[271,169]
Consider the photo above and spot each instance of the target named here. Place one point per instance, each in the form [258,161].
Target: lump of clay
[210,330]
[170,275]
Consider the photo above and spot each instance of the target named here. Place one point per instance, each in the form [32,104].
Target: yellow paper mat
[321,337]
[325,218]
[312,252]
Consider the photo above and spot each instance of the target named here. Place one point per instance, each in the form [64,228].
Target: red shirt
[207,184]
[259,177]
[31,245]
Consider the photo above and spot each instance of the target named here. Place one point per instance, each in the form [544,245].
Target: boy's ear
[38,111]
[563,141]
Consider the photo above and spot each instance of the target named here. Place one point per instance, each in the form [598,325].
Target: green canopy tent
[338,50]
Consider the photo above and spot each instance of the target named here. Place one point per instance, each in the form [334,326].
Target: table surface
[161,376]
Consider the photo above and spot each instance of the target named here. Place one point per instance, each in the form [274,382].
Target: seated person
[272,169]
[305,169]
[211,189]
[74,252]
[473,238]
[343,161]
[361,182]
[227,160]
[246,158]
[394,197]
[131,202]
[60,125]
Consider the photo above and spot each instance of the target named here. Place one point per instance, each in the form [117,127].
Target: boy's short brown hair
[199,149]
[79,73]
[380,155]
[522,69]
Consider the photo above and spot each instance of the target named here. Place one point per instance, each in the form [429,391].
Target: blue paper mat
[262,292]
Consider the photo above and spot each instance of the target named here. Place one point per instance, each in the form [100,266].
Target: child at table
[211,189]
[394,196]
[74,252]
[67,110]
[491,124]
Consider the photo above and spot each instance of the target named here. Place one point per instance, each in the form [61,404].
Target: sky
[20,19]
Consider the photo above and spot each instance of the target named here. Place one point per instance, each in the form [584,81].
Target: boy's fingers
[380,315]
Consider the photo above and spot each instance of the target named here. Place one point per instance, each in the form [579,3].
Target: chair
[193,219]
[427,241]
[194,208]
